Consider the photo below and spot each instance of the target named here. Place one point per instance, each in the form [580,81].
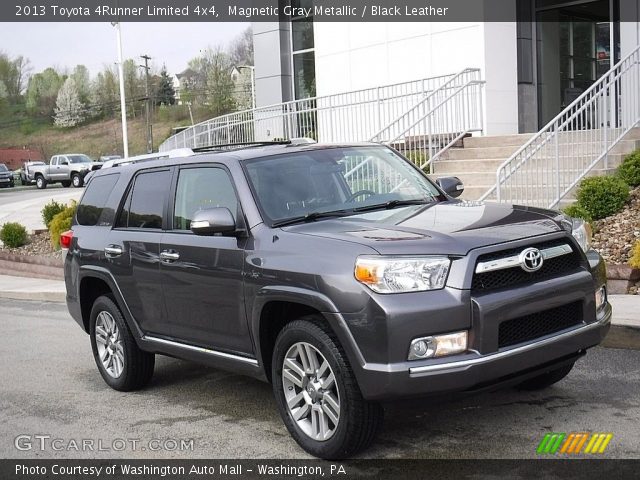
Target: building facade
[533,67]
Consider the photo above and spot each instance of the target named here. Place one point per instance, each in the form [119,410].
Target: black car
[339,273]
[6,176]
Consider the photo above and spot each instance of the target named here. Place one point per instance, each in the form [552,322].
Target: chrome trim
[514,260]
[508,353]
[208,351]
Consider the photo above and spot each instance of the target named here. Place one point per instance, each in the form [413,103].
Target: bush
[13,235]
[602,196]
[578,211]
[634,261]
[61,223]
[50,210]
[629,170]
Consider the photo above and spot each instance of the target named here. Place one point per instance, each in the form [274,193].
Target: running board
[201,350]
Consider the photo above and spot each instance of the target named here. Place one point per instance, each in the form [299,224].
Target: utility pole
[123,103]
[148,105]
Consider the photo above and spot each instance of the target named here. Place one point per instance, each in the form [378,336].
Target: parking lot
[50,386]
[23,203]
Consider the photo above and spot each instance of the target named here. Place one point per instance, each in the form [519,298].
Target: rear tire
[121,363]
[313,397]
[41,183]
[546,379]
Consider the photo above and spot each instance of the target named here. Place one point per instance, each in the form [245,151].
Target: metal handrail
[548,166]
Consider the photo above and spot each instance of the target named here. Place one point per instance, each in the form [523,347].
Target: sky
[94,44]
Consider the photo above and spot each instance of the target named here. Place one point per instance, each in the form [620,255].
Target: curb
[32,266]
[55,297]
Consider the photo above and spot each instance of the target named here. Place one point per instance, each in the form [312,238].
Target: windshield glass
[79,159]
[3,167]
[342,180]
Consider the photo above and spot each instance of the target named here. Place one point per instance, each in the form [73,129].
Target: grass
[103,137]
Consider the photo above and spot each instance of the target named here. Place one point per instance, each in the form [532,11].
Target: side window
[202,188]
[145,203]
[91,210]
[54,161]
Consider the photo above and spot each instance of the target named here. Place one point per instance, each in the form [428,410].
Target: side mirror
[213,220]
[452,186]
[63,162]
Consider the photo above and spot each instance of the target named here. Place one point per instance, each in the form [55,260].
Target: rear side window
[144,206]
[91,210]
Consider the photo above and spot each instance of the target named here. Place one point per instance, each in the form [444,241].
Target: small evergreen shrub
[61,223]
[578,211]
[13,235]
[602,196]
[629,170]
[50,210]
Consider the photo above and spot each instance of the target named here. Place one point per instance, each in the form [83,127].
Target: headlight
[402,274]
[581,231]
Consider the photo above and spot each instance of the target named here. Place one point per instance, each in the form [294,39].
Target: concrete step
[478,165]
[473,179]
[497,140]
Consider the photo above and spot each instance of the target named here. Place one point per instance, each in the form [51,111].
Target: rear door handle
[112,251]
[169,255]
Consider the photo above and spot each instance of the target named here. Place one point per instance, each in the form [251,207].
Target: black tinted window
[91,210]
[199,189]
[144,207]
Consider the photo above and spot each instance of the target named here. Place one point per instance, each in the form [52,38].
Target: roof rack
[221,147]
[178,152]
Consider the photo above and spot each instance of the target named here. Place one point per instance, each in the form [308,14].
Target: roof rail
[222,147]
[178,152]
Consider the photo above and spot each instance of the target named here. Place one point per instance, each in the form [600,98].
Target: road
[23,204]
[49,385]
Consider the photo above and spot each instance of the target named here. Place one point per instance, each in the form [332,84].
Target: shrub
[629,170]
[602,196]
[50,210]
[13,235]
[578,211]
[61,223]
[634,261]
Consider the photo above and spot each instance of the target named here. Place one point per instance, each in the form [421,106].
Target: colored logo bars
[574,443]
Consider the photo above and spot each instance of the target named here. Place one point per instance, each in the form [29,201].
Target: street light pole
[123,103]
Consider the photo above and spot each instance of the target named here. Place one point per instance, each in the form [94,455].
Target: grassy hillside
[98,138]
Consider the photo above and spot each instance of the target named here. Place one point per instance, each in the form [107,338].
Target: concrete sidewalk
[626,308]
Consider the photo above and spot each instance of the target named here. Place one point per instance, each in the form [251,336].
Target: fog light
[438,345]
[601,298]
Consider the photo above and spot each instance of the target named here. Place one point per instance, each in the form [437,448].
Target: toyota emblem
[531,259]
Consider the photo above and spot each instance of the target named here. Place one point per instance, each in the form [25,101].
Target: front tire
[77,180]
[546,379]
[121,363]
[41,183]
[317,393]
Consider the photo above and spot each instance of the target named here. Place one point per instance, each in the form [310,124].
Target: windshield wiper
[309,217]
[393,204]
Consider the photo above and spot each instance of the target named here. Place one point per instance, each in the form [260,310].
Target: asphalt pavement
[50,388]
[23,203]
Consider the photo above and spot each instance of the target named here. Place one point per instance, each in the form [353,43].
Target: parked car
[105,158]
[26,174]
[67,169]
[6,176]
[341,274]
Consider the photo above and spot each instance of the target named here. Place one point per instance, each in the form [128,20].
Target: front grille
[539,324]
[514,276]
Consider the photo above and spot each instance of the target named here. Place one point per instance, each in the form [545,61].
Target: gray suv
[340,274]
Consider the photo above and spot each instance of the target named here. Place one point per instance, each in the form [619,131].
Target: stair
[476,162]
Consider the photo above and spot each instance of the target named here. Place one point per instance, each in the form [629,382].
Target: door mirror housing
[452,186]
[213,220]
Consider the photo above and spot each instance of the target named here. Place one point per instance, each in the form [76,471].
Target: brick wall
[13,158]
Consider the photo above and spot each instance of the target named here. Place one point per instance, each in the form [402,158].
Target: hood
[6,174]
[451,227]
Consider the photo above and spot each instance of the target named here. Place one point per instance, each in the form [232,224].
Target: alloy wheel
[109,344]
[310,391]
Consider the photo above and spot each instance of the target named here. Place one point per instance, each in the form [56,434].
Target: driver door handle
[169,255]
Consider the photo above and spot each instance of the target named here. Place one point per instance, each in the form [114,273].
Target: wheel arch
[277,306]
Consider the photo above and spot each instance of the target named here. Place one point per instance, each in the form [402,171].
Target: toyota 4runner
[340,274]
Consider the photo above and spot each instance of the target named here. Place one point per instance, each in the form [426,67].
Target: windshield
[3,167]
[79,159]
[340,180]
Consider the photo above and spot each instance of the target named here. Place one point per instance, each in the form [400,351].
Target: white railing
[546,168]
[438,121]
[347,117]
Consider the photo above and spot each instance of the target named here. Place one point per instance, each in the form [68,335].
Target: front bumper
[473,371]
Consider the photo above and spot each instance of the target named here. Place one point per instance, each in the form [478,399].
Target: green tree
[82,80]
[165,94]
[42,92]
